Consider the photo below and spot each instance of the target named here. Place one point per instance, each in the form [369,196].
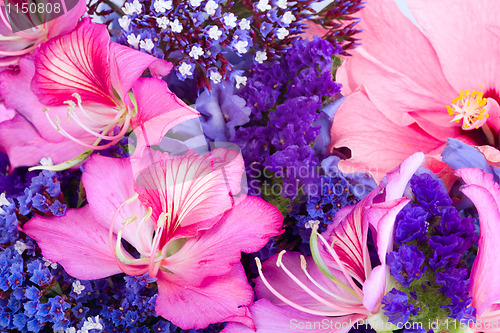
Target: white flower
[162,22]
[176,26]
[195,3]
[48,263]
[214,32]
[89,324]
[124,22]
[46,161]
[70,330]
[185,69]
[3,202]
[282,4]
[230,20]
[241,81]
[161,6]
[263,5]
[215,77]
[311,223]
[20,247]
[288,18]
[131,8]
[241,46]
[245,24]
[282,33]
[134,40]
[260,56]
[196,52]
[147,44]
[78,287]
[211,7]
[137,6]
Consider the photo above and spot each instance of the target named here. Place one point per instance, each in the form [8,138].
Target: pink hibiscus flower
[410,89]
[324,288]
[81,92]
[13,45]
[484,192]
[181,217]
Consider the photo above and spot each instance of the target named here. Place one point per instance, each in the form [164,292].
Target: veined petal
[77,241]
[245,228]
[75,63]
[270,318]
[191,188]
[217,299]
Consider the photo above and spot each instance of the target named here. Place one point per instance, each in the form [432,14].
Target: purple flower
[406,264]
[411,224]
[396,307]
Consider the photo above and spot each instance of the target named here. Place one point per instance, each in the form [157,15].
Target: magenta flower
[13,45]
[411,89]
[182,217]
[484,192]
[324,288]
[85,95]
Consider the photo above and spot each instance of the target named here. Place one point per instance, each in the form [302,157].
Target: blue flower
[396,307]
[406,264]
[411,224]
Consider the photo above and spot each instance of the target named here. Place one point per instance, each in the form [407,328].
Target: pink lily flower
[484,192]
[181,217]
[82,89]
[410,89]
[14,45]
[298,291]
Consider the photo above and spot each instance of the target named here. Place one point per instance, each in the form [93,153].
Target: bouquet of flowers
[249,166]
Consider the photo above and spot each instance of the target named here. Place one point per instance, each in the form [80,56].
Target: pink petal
[383,216]
[77,241]
[377,144]
[280,281]
[399,178]
[108,183]
[127,65]
[217,299]
[485,278]
[66,23]
[75,63]
[6,114]
[468,62]
[191,188]
[245,228]
[270,318]
[380,65]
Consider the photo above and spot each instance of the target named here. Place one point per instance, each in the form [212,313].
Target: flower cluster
[428,264]
[285,101]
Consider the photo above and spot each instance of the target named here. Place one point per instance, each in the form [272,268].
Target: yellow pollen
[469,107]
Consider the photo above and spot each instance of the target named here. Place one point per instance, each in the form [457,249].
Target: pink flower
[183,217]
[13,45]
[324,288]
[484,192]
[410,89]
[85,94]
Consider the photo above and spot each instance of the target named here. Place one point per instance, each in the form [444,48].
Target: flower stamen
[469,107]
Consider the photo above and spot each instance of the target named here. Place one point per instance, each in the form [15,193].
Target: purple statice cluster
[285,100]
[339,23]
[200,36]
[428,263]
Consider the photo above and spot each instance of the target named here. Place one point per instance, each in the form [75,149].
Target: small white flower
[215,77]
[128,8]
[176,26]
[48,263]
[263,5]
[214,32]
[241,81]
[241,46]
[282,4]
[288,18]
[134,40]
[282,33]
[147,44]
[185,69]
[161,6]
[230,20]
[260,56]
[311,223]
[245,24]
[46,161]
[211,7]
[90,324]
[124,22]
[137,6]
[70,330]
[162,22]
[78,287]
[20,247]
[3,202]
[196,52]
[195,3]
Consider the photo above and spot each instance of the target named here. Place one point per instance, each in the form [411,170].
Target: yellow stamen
[469,107]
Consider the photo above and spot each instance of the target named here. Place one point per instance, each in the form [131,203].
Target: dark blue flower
[411,224]
[430,193]
[406,264]
[396,307]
